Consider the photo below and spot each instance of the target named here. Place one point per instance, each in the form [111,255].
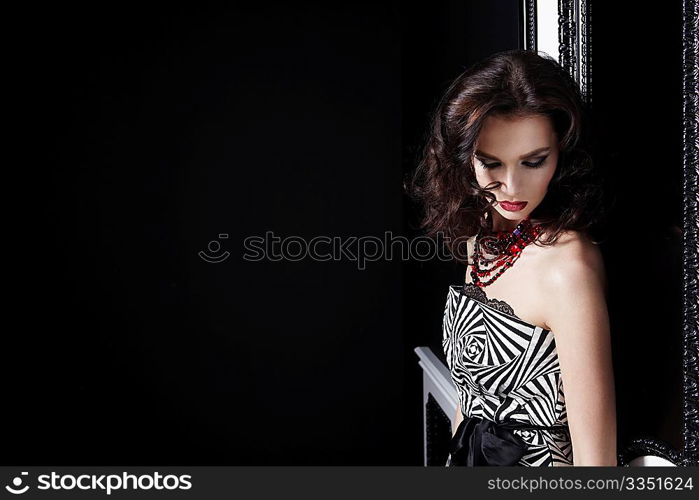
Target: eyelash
[528,164]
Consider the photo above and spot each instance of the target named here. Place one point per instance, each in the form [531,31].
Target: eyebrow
[527,155]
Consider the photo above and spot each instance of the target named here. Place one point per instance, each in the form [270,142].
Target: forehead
[511,136]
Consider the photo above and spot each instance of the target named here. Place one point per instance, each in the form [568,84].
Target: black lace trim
[477,293]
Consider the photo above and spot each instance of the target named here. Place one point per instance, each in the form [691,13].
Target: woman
[506,170]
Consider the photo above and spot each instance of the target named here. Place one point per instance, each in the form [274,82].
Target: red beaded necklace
[506,246]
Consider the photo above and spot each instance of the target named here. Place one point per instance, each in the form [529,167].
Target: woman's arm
[458,418]
[577,315]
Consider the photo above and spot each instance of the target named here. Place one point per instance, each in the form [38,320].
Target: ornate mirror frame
[574,52]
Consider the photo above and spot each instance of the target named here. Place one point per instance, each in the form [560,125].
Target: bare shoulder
[572,259]
[573,282]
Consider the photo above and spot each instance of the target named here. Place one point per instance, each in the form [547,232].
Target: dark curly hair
[510,83]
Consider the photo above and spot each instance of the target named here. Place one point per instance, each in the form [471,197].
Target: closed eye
[536,164]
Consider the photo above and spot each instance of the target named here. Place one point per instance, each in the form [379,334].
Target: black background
[148,131]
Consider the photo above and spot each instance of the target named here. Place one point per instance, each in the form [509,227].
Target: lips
[513,206]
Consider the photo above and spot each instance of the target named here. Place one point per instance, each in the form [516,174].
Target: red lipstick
[513,206]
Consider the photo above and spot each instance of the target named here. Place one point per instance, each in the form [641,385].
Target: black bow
[479,442]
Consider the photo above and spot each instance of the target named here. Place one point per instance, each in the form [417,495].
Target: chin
[506,214]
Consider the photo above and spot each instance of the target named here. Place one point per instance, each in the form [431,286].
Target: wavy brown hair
[510,83]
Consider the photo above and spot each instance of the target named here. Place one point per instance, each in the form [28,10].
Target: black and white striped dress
[506,369]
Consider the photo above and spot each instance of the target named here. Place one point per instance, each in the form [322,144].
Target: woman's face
[521,153]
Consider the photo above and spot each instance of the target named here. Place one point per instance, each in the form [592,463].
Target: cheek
[544,181]
[483,177]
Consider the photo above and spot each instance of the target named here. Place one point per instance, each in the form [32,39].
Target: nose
[511,182]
